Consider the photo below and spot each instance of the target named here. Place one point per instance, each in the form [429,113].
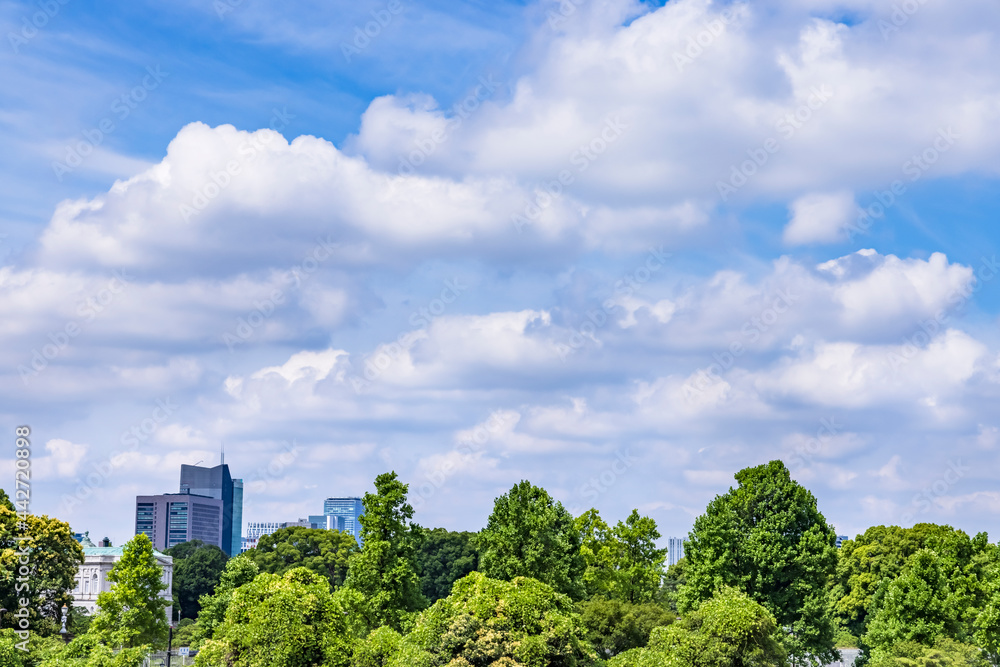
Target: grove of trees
[762,585]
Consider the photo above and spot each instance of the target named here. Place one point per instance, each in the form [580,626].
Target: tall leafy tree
[132,613]
[325,552]
[53,556]
[599,549]
[640,564]
[383,571]
[443,558]
[767,538]
[197,570]
[531,535]
[614,626]
[239,571]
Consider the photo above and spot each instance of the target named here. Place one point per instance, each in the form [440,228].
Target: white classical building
[92,577]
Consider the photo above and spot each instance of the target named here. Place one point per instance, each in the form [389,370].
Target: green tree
[768,539]
[443,558]
[488,622]
[239,571]
[614,626]
[728,630]
[383,570]
[132,613]
[290,620]
[987,624]
[531,535]
[870,562]
[600,551]
[640,564]
[673,580]
[197,569]
[945,653]
[325,552]
[54,558]
[915,606]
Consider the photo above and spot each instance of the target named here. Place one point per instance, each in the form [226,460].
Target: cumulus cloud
[820,218]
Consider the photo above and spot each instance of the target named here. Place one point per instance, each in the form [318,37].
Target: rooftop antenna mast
[222,460]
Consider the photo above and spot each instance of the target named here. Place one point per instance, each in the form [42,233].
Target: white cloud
[820,218]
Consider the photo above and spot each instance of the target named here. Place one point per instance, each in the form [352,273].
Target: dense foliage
[325,552]
[531,535]
[443,558]
[768,539]
[383,571]
[53,556]
[197,568]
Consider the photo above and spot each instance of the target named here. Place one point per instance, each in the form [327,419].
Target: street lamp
[62,630]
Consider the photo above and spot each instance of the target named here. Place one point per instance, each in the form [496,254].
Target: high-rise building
[172,518]
[343,514]
[675,550]
[841,539]
[219,484]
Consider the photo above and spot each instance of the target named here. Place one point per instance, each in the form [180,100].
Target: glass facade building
[170,519]
[219,484]
[675,550]
[343,514]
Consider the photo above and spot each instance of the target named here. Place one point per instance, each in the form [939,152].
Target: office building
[343,514]
[172,518]
[675,550]
[92,577]
[218,483]
[841,539]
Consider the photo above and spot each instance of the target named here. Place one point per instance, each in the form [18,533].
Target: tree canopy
[53,555]
[325,552]
[767,538]
[531,535]
[383,571]
[197,569]
[443,558]
[132,613]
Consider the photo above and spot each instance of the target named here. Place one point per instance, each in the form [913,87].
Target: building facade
[172,518]
[841,539]
[343,514]
[219,484]
[675,550]
[92,577]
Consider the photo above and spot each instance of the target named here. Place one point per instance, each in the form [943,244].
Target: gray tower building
[219,484]
[675,550]
[172,518]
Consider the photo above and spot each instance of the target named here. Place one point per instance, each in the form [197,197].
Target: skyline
[622,250]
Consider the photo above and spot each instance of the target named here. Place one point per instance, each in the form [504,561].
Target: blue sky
[486,242]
